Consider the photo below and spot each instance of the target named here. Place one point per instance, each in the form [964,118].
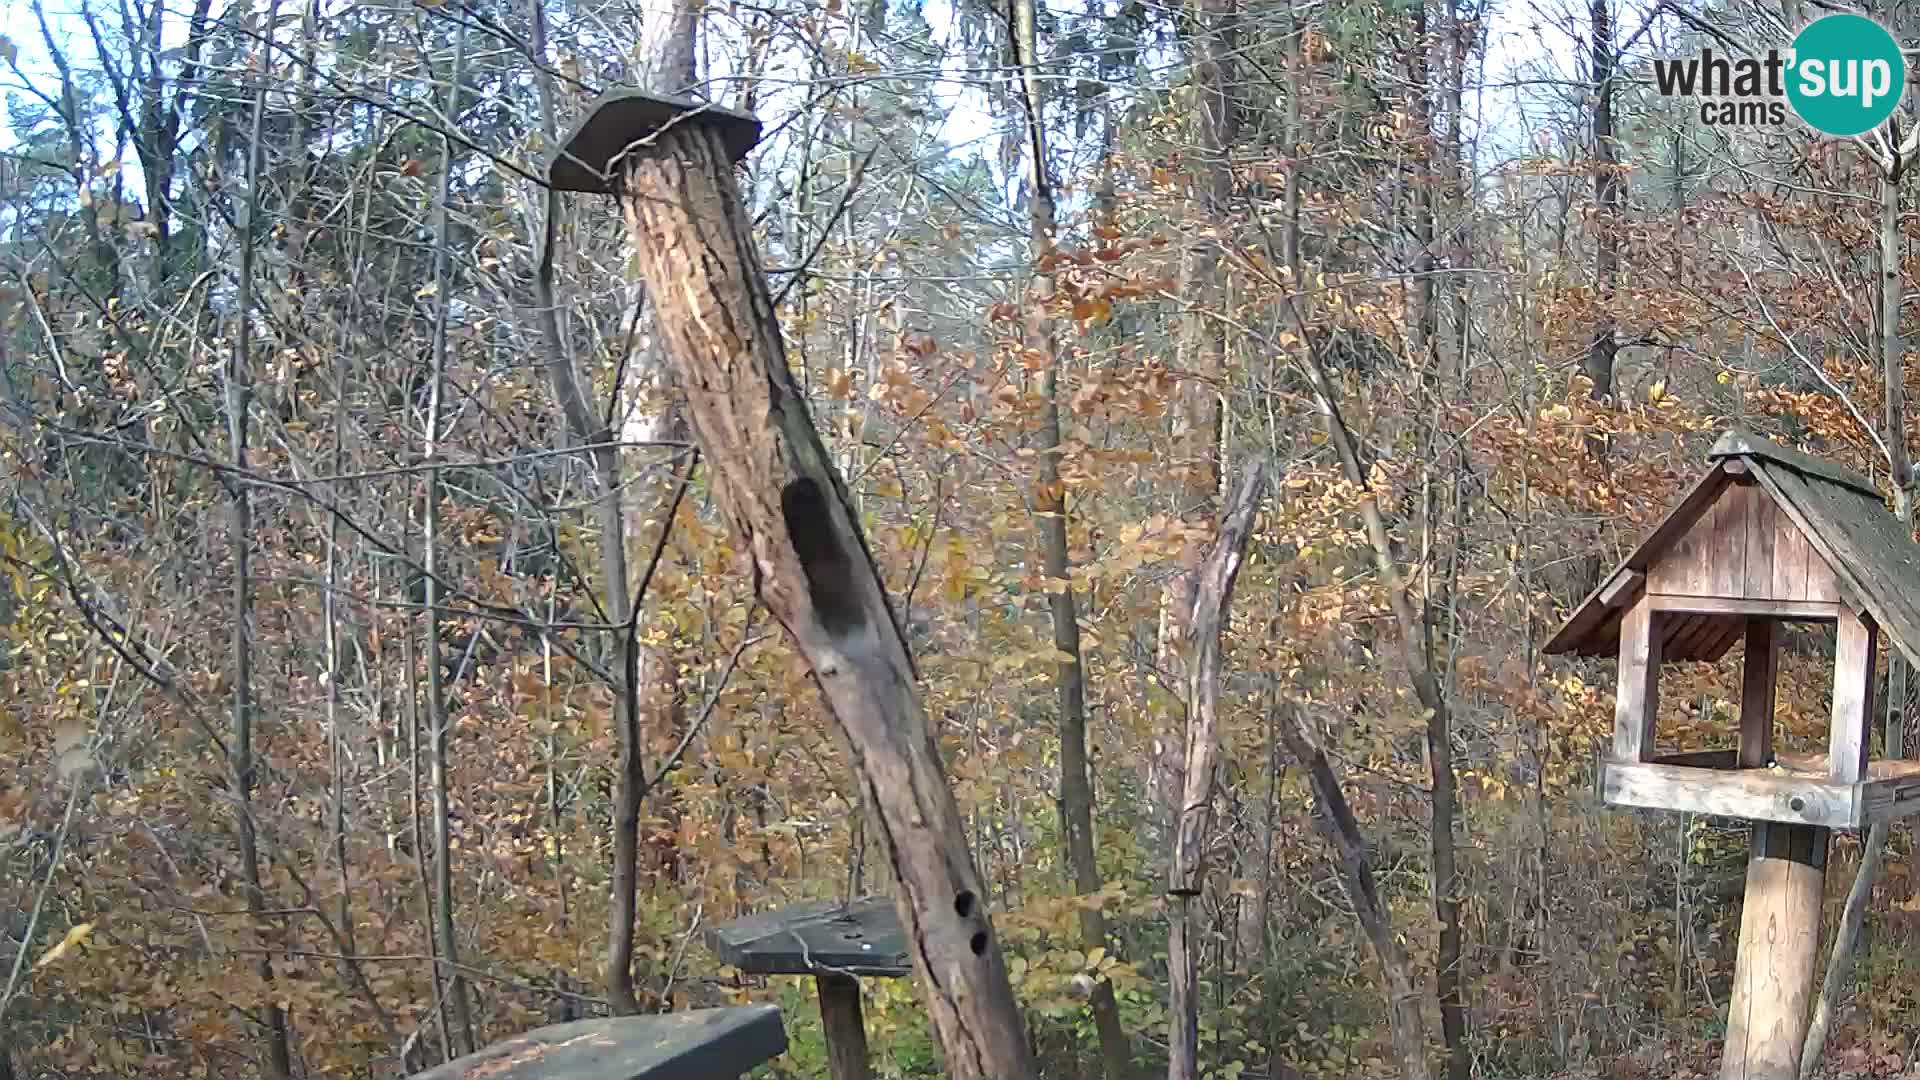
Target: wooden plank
[1637,698]
[861,938]
[1768,1014]
[1893,769]
[1852,719]
[1684,568]
[1674,646]
[1790,554]
[1758,678]
[703,1044]
[1737,443]
[1671,631]
[1726,567]
[1620,589]
[1698,640]
[1823,585]
[1889,797]
[1813,766]
[1731,630]
[841,1023]
[1754,794]
[1762,524]
[1797,502]
[1870,551]
[1792,610]
[1701,759]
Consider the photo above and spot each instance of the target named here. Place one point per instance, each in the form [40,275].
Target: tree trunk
[666,61]
[1453,1006]
[1335,818]
[1076,786]
[438,778]
[1421,315]
[1202,345]
[776,484]
[1606,207]
[239,405]
[1213,592]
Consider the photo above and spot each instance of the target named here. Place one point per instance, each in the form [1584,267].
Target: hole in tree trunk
[823,558]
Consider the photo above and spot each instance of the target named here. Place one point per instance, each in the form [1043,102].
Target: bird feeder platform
[702,1044]
[1794,788]
[861,938]
[834,943]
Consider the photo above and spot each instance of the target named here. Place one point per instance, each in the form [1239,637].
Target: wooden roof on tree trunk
[1803,534]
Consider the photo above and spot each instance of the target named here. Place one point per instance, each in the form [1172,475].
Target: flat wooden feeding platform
[702,1044]
[834,943]
[861,938]
[1798,789]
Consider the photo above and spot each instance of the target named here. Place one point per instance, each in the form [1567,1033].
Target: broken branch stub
[779,490]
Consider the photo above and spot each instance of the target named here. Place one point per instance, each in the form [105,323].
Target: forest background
[380,680]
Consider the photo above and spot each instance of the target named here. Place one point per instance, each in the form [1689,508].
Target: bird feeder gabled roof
[1841,515]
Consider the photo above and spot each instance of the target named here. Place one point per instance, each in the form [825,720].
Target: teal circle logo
[1846,75]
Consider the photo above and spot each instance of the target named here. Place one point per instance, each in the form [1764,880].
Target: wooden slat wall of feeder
[1767,536]
[836,944]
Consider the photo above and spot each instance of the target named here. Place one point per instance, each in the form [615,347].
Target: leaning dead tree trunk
[1205,626]
[1405,1020]
[785,500]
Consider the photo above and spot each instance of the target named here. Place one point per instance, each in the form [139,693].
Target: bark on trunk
[1203,346]
[785,501]
[1206,626]
[1423,341]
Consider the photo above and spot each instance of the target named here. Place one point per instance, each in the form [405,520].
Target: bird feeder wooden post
[836,944]
[670,161]
[1767,536]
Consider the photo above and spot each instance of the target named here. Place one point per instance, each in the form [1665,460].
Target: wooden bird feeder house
[1767,536]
